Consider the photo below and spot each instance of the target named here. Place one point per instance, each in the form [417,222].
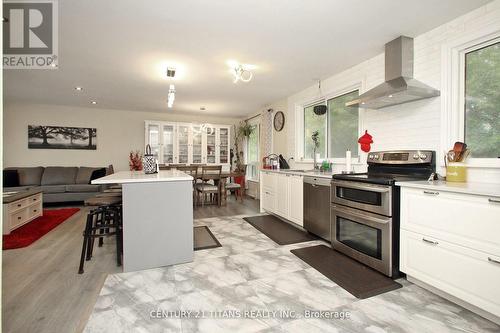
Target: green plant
[315,138]
[245,129]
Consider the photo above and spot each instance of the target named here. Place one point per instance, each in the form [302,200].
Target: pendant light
[321,109]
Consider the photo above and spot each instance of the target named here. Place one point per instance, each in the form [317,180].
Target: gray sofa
[59,184]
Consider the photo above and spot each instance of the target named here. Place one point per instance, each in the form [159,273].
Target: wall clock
[279,121]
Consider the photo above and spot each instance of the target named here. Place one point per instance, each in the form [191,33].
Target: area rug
[358,279]
[30,232]
[204,239]
[279,231]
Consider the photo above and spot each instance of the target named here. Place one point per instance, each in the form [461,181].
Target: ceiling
[117,50]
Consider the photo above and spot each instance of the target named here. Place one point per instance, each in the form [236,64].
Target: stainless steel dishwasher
[317,206]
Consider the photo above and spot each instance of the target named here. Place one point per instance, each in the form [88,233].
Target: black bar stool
[102,222]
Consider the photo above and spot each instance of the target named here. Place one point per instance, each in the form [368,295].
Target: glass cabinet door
[211,145]
[168,144]
[183,143]
[224,145]
[153,133]
[197,144]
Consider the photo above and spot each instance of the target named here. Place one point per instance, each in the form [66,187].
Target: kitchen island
[157,218]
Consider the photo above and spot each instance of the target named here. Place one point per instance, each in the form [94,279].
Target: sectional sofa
[59,184]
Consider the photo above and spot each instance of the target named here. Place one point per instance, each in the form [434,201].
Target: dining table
[224,175]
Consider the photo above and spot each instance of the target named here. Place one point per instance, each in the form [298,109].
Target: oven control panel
[401,157]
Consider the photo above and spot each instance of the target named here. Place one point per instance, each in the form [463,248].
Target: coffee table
[21,207]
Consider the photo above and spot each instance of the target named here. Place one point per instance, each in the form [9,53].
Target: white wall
[408,126]
[118,132]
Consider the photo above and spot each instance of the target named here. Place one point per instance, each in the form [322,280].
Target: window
[342,126]
[312,123]
[338,128]
[252,150]
[482,101]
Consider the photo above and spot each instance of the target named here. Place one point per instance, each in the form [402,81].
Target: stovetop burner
[389,167]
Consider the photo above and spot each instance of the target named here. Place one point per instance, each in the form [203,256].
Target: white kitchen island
[157,217]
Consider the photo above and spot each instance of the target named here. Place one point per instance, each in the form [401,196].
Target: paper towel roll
[348,161]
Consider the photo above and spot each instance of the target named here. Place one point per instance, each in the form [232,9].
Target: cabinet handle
[493,260]
[431,192]
[429,241]
[314,185]
[34,210]
[494,200]
[19,217]
[18,205]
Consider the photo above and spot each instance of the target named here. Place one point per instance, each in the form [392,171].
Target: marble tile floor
[263,287]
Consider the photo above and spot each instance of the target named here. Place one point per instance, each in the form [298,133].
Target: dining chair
[208,173]
[191,170]
[238,188]
[164,167]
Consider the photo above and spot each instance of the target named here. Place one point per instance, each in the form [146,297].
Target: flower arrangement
[135,161]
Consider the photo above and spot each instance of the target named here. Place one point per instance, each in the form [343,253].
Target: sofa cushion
[18,188]
[83,175]
[59,175]
[10,178]
[29,175]
[53,188]
[83,188]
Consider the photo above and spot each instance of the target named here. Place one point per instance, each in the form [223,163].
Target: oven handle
[349,211]
[372,188]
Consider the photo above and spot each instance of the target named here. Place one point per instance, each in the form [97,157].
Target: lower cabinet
[282,194]
[451,249]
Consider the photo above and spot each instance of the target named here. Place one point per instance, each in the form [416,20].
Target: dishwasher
[317,206]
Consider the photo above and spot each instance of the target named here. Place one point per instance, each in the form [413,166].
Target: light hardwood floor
[42,291]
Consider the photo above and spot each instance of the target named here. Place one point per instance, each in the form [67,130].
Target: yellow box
[456,172]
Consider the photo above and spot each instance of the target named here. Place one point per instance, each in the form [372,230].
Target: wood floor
[42,291]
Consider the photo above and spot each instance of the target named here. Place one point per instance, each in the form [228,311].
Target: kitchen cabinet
[188,142]
[450,241]
[282,195]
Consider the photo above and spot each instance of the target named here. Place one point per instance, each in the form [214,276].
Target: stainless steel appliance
[317,206]
[365,207]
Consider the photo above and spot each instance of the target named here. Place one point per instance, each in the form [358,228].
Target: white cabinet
[296,199]
[282,194]
[22,211]
[451,242]
[188,143]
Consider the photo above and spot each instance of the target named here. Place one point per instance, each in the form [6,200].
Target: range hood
[399,86]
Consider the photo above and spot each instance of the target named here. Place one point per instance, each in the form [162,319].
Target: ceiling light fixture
[93,102]
[241,72]
[171,96]
[78,88]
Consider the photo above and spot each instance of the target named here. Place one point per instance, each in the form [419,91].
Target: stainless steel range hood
[399,86]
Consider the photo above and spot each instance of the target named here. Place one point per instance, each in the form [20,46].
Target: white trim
[299,121]
[452,91]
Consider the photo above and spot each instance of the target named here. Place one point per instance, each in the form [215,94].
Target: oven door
[370,197]
[363,236]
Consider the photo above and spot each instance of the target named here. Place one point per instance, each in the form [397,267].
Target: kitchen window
[252,152]
[481,93]
[338,128]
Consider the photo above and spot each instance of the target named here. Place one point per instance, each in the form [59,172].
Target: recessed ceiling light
[390,96]
[93,102]
[78,88]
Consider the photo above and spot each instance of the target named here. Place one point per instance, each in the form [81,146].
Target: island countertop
[124,177]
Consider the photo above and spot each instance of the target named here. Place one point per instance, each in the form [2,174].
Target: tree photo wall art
[58,137]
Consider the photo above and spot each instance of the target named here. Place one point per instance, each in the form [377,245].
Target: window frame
[300,128]
[453,94]
[255,164]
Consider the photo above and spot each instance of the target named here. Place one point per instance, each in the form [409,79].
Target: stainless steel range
[364,214]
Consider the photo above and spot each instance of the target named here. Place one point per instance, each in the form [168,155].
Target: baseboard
[455,300]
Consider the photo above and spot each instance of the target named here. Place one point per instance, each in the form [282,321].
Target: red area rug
[30,232]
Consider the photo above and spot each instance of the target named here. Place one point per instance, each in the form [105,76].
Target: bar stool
[104,221]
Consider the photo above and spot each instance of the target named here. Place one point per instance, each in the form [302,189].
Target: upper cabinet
[188,143]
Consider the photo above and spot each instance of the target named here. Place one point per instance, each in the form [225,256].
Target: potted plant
[135,160]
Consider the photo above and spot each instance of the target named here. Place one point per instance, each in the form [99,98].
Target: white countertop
[309,173]
[124,177]
[485,189]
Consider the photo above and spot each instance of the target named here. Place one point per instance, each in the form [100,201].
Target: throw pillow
[10,178]
[97,174]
